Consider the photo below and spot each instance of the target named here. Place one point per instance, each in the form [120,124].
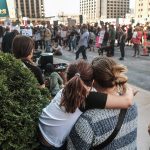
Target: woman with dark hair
[23,48]
[58,118]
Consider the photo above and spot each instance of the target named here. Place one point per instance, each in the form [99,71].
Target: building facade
[30,8]
[93,10]
[142,10]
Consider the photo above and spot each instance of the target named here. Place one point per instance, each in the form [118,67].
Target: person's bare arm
[118,102]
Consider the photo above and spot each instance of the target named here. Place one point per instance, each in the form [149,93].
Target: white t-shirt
[55,124]
[59,48]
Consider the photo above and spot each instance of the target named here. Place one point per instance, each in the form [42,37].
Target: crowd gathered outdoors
[92,105]
[82,37]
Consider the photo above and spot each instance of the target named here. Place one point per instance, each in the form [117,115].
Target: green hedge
[21,102]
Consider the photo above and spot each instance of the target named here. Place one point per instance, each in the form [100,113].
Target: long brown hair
[107,73]
[79,75]
[22,46]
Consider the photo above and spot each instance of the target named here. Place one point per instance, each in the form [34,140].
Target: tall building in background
[30,8]
[102,9]
[142,10]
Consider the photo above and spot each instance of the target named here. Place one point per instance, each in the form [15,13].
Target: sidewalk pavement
[142,100]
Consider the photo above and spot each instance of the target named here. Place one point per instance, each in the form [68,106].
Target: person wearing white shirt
[83,43]
[57,49]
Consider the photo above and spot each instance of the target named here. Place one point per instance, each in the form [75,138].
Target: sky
[132,4]
[53,7]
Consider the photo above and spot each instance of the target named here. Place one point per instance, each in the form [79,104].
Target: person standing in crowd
[57,119]
[64,31]
[42,37]
[97,33]
[118,35]
[83,43]
[136,39]
[129,35]
[112,37]
[73,39]
[23,48]
[95,126]
[122,42]
[101,36]
[91,39]
[103,39]
[146,48]
[47,38]
[37,37]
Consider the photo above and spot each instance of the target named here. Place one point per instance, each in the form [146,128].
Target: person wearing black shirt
[23,47]
[7,41]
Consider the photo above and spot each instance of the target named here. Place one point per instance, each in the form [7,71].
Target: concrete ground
[139,77]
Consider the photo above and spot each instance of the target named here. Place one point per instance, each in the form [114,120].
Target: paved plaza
[139,78]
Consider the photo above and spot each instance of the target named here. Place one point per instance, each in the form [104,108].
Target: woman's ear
[94,84]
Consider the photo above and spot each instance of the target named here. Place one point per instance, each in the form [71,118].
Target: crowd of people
[92,105]
[82,37]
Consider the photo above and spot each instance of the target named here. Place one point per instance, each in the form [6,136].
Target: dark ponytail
[79,76]
[74,94]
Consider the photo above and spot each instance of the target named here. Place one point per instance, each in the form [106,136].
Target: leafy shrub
[21,102]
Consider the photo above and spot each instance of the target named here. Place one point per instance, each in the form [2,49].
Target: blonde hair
[107,73]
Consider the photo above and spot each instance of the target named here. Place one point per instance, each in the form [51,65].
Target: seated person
[23,48]
[96,125]
[57,49]
[53,79]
